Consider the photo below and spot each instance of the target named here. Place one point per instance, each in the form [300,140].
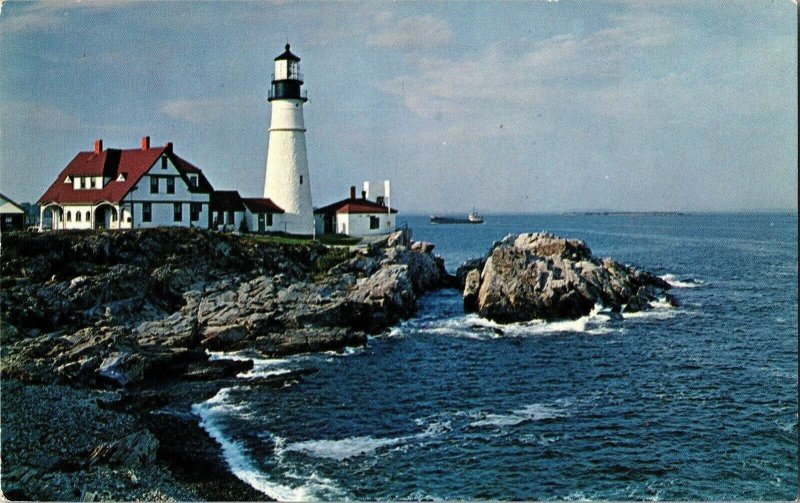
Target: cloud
[411,32]
[25,116]
[28,16]
[209,110]
[562,71]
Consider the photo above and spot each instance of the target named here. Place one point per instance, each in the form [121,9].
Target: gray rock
[132,451]
[472,286]
[422,246]
[542,276]
[122,368]
[219,338]
[464,269]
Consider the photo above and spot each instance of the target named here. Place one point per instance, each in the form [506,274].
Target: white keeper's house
[143,187]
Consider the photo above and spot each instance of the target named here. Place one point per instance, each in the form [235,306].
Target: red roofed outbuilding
[355,216]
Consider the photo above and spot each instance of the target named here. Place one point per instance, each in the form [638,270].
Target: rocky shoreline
[106,335]
[106,338]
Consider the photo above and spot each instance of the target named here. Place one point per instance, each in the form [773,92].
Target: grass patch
[287,239]
[280,239]
[337,239]
[331,258]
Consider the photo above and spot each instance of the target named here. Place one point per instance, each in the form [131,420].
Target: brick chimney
[98,146]
[352,192]
[145,142]
[168,146]
[364,194]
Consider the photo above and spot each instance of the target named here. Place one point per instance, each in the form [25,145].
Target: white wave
[239,462]
[472,326]
[351,447]
[262,367]
[661,310]
[686,283]
[345,448]
[534,412]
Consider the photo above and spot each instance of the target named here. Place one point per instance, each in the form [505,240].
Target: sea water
[695,402]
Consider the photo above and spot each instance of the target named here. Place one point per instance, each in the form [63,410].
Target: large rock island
[541,276]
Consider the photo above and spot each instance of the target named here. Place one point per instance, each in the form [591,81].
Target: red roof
[354,205]
[226,200]
[261,205]
[132,163]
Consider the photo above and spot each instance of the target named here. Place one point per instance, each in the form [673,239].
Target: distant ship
[472,218]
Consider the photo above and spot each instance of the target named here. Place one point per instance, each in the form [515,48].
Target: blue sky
[537,106]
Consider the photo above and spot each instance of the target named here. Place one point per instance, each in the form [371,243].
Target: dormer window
[91,182]
[80,182]
[193,180]
[163,162]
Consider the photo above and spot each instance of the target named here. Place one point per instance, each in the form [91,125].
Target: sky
[505,107]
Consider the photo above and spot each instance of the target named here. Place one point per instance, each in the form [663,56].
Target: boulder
[422,246]
[382,299]
[472,285]
[464,269]
[401,237]
[122,368]
[541,276]
[425,270]
[219,338]
[132,451]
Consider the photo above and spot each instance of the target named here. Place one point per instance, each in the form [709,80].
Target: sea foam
[533,412]
[346,448]
[682,283]
[211,414]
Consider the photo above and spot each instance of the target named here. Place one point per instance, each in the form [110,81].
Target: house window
[261,227]
[80,182]
[91,182]
[193,180]
[374,222]
[269,219]
[69,216]
[77,216]
[229,220]
[170,185]
[177,214]
[153,185]
[194,214]
[163,162]
[301,179]
[88,216]
[147,212]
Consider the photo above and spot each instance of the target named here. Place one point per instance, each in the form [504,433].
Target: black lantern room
[287,79]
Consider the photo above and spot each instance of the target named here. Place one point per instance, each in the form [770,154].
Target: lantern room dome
[287,54]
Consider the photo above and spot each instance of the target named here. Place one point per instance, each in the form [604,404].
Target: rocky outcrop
[133,312]
[541,276]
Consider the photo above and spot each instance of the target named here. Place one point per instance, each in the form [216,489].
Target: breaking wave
[534,412]
[682,283]
[351,447]
[262,367]
[241,464]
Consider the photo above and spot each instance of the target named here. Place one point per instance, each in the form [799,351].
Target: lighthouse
[287,182]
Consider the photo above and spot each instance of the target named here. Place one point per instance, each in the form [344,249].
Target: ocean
[697,402]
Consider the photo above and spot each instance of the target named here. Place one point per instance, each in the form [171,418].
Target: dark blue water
[698,402]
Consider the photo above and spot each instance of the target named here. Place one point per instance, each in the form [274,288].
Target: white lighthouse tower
[287,182]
